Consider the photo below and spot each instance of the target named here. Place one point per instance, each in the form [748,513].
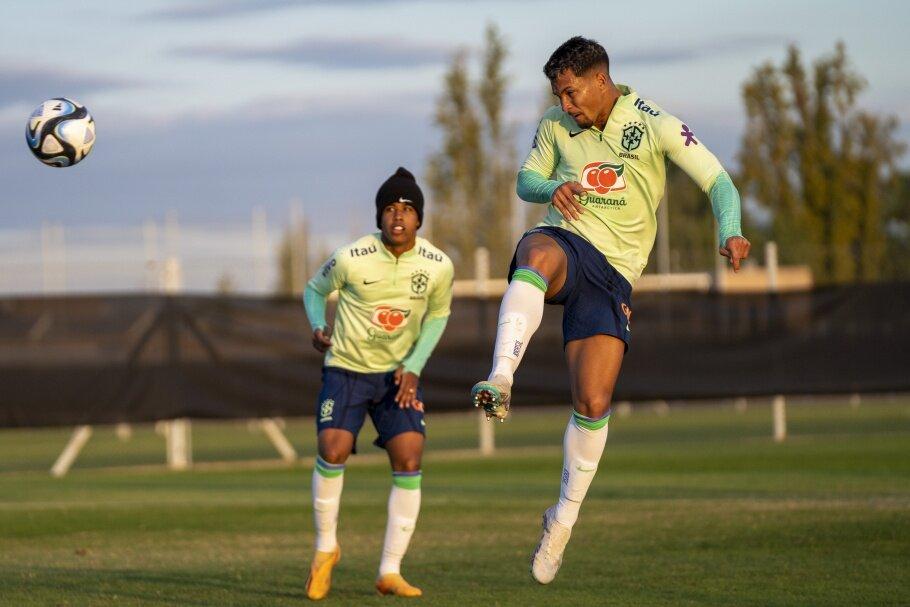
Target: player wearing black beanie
[400,187]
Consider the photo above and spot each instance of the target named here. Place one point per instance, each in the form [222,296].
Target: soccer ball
[60,132]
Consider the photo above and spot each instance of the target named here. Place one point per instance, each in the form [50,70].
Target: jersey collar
[407,254]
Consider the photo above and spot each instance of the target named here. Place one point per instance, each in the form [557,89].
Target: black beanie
[400,187]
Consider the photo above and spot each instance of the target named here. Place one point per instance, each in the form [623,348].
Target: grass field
[697,507]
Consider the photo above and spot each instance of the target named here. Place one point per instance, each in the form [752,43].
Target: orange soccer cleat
[393,583]
[319,582]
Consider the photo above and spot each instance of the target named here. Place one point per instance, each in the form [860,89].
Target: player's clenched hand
[564,200]
[322,339]
[407,389]
[736,249]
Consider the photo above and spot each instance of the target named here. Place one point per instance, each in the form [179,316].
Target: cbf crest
[632,135]
[325,410]
[420,279]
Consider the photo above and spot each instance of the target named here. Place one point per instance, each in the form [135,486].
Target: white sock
[404,505]
[519,317]
[582,447]
[328,480]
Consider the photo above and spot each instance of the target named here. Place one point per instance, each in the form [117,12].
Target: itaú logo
[389,318]
[603,177]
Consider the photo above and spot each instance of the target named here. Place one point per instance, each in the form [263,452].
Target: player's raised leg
[335,447]
[405,451]
[540,273]
[594,364]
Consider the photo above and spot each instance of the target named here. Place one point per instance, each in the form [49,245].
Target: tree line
[818,174]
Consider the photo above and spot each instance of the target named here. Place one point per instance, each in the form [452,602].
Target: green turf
[697,507]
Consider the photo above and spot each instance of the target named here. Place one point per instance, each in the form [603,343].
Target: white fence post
[124,432]
[80,436]
[179,444]
[779,404]
[741,404]
[771,265]
[273,431]
[481,271]
[779,412]
[487,436]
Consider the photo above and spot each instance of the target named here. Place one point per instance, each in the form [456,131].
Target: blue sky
[211,108]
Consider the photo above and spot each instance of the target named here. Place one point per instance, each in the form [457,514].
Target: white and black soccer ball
[60,132]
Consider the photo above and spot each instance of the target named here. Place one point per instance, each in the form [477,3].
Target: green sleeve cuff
[314,304]
[534,187]
[430,333]
[726,205]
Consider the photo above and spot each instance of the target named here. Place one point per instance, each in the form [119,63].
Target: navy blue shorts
[347,396]
[597,299]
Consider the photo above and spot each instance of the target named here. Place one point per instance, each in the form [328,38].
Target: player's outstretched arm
[688,153]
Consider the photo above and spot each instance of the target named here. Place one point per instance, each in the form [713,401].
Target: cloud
[32,85]
[190,11]
[331,53]
[661,55]
[197,11]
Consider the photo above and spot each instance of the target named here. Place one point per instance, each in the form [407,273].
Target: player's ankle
[499,376]
[567,512]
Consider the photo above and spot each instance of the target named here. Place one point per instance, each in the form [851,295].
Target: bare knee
[541,256]
[594,406]
[334,454]
[409,463]
[546,257]
[335,449]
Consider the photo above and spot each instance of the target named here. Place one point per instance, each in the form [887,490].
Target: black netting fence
[76,360]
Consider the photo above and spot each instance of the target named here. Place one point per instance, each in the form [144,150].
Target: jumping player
[598,160]
[395,291]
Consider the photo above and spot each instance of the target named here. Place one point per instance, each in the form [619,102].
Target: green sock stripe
[591,424]
[410,481]
[328,470]
[531,277]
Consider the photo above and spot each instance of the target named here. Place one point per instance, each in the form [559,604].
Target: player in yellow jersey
[598,161]
[394,295]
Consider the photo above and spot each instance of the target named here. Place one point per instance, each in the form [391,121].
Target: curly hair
[577,54]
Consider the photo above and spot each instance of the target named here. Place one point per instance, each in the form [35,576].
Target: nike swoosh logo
[369,282]
[574,134]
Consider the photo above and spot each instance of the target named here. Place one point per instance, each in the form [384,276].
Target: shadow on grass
[166,587]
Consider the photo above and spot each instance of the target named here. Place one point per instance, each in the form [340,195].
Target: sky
[206,110]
